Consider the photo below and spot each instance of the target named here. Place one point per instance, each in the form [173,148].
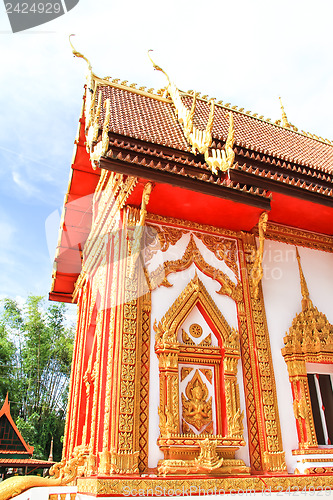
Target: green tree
[39,351]
[7,360]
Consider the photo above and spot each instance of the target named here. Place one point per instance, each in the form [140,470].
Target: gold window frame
[170,353]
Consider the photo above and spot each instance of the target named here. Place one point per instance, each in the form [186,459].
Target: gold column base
[124,463]
[219,468]
[275,461]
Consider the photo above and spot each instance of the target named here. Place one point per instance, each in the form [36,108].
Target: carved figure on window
[197,411]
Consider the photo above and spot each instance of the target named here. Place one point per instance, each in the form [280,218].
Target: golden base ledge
[136,486]
[313,451]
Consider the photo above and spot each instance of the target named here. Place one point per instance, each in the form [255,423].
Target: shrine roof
[152,118]
[11,440]
[25,462]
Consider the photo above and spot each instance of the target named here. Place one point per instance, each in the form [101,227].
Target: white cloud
[29,189]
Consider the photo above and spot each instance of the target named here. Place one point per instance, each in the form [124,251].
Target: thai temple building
[196,241]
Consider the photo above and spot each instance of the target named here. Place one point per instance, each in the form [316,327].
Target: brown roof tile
[265,137]
[143,117]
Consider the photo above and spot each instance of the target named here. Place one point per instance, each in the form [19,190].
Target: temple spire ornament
[78,54]
[306,302]
[285,122]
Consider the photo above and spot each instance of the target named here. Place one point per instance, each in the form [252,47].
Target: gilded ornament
[196,403]
[197,408]
[201,140]
[195,330]
[224,249]
[186,338]
[257,269]
[223,159]
[135,242]
[310,339]
[245,482]
[62,473]
[206,342]
[185,371]
[193,255]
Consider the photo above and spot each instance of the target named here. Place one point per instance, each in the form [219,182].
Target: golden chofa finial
[285,122]
[156,66]
[78,54]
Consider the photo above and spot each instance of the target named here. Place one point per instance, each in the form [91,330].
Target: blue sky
[247,52]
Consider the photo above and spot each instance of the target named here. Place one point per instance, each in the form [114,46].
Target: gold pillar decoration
[310,339]
[144,333]
[265,444]
[257,270]
[234,415]
[137,228]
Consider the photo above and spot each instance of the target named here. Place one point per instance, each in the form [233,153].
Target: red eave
[76,222]
[302,214]
[176,202]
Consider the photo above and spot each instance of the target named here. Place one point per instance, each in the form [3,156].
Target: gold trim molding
[213,485]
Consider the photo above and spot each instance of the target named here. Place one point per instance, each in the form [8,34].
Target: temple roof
[210,163]
[150,118]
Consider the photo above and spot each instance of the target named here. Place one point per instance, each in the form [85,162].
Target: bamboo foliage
[38,368]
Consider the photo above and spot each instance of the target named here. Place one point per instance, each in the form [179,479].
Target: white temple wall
[282,297]
[162,300]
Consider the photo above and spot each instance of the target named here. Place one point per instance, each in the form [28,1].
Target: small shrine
[15,454]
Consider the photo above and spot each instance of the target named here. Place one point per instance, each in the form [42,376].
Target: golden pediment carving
[159,238]
[166,330]
[193,255]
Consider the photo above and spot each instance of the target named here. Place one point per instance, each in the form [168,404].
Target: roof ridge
[150,92]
